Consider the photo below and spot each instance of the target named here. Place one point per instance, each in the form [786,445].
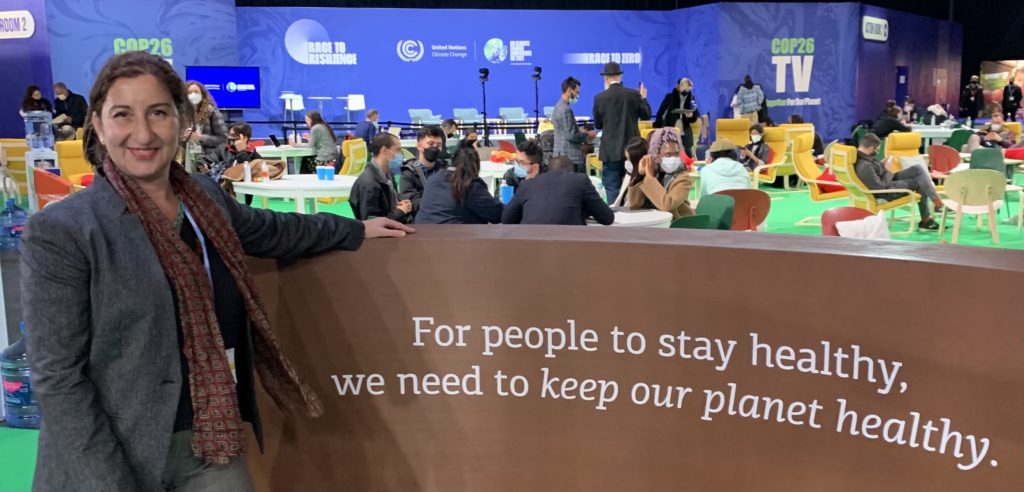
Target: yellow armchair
[735,129]
[844,158]
[71,158]
[1014,128]
[902,144]
[12,154]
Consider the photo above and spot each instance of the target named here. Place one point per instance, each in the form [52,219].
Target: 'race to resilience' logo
[308,43]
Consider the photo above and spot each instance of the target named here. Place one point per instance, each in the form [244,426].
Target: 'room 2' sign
[875,29]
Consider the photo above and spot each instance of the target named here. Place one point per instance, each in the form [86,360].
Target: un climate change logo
[232,87]
[410,50]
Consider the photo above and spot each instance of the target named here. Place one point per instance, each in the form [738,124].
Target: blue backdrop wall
[85,33]
[808,57]
[25,58]
[399,61]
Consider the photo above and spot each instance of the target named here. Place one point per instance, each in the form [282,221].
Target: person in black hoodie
[972,99]
[679,109]
[416,172]
[889,123]
[458,196]
[34,101]
[1011,99]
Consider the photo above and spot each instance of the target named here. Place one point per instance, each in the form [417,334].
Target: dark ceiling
[992,30]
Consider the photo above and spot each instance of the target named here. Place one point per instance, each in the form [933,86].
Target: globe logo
[232,87]
[495,50]
[410,50]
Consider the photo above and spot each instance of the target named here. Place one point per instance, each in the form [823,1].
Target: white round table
[936,133]
[492,172]
[299,187]
[286,152]
[641,218]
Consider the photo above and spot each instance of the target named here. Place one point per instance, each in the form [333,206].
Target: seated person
[470,141]
[236,151]
[660,181]
[909,115]
[457,195]
[889,123]
[723,172]
[559,197]
[416,172]
[819,145]
[66,133]
[528,164]
[876,176]
[636,149]
[756,152]
[373,194]
[994,135]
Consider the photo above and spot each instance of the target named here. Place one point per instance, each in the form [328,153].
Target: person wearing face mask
[994,135]
[679,110]
[207,132]
[558,197]
[1011,97]
[528,164]
[470,141]
[450,128]
[69,108]
[756,152]
[34,101]
[569,137]
[660,181]
[427,163]
[368,128]
[972,99]
[373,194]
[457,195]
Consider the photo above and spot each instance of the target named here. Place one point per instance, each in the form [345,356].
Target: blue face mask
[520,171]
[397,161]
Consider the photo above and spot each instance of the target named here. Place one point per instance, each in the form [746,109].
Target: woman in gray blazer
[143,319]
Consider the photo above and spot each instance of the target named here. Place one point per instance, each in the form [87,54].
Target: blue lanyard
[202,242]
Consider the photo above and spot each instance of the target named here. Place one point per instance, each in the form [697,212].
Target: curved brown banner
[599,359]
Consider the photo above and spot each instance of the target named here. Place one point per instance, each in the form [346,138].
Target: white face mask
[195,98]
[755,138]
[997,127]
[671,164]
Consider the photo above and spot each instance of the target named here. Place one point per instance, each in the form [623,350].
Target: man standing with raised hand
[616,112]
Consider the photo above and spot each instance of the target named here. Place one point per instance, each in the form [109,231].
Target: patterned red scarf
[217,432]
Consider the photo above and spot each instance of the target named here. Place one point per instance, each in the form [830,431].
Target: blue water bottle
[506,193]
[19,404]
[12,224]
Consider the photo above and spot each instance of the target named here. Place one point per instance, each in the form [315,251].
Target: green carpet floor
[18,447]
[790,207]
[17,458]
